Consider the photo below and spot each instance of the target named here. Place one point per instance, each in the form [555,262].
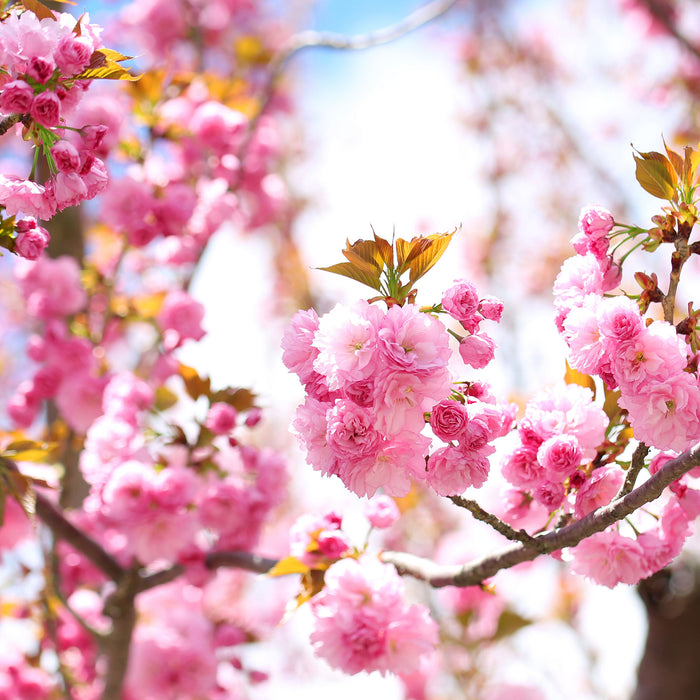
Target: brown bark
[670,666]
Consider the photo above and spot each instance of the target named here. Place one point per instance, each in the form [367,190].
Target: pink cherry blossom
[347,344]
[361,622]
[66,156]
[448,419]
[299,352]
[381,511]
[522,469]
[598,490]
[413,341]
[68,189]
[560,455]
[399,460]
[52,288]
[666,415]
[73,54]
[221,418]
[461,300]
[451,470]
[16,97]
[608,558]
[402,398]
[477,350]
[595,222]
[18,195]
[550,494]
[180,318]
[31,239]
[46,109]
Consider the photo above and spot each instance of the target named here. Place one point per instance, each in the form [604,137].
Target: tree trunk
[670,666]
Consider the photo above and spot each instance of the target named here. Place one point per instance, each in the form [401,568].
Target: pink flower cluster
[173,654]
[607,336]
[20,680]
[362,623]
[371,377]
[190,195]
[68,371]
[462,302]
[317,538]
[41,59]
[610,557]
[558,435]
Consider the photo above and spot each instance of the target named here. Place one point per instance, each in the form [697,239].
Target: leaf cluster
[382,265]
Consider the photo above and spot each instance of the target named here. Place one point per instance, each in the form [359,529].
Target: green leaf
[351,270]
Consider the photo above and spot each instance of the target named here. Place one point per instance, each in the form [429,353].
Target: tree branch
[475,572]
[660,13]
[496,523]
[63,529]
[633,472]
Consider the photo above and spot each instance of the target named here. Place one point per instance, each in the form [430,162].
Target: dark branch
[475,572]
[633,472]
[63,529]
[496,523]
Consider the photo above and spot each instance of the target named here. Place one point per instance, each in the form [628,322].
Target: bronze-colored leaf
[386,252]
[20,488]
[675,160]
[39,9]
[690,165]
[195,385]
[287,566]
[509,623]
[28,451]
[104,63]
[610,405]
[164,398]
[656,175]
[348,269]
[421,263]
[364,254]
[148,305]
[573,376]
[240,399]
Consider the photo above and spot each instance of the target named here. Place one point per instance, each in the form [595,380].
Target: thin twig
[660,12]
[633,472]
[496,523]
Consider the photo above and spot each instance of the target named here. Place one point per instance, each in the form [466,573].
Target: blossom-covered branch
[475,572]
